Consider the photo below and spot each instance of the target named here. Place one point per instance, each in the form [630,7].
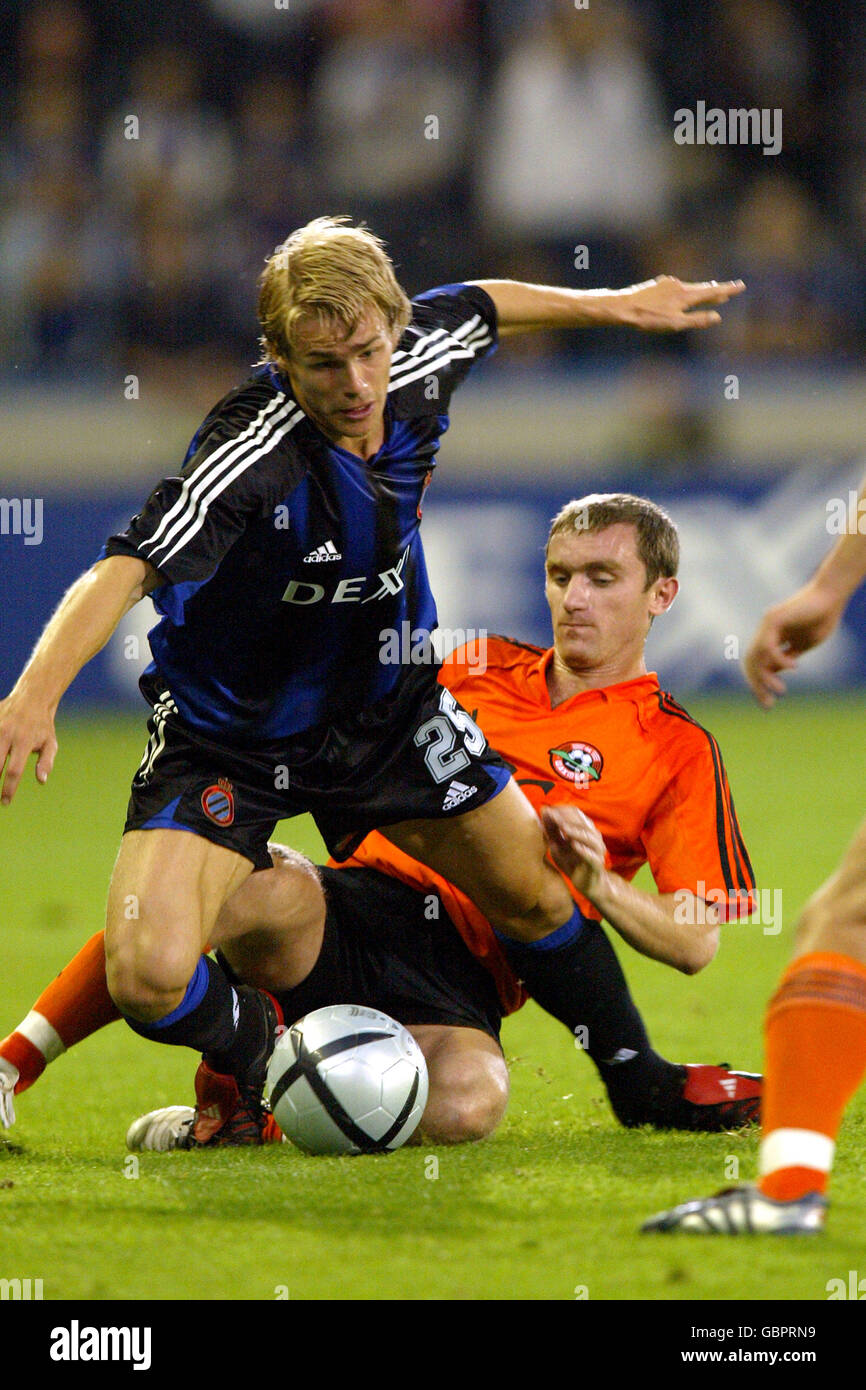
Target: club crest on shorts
[580,763]
[218,802]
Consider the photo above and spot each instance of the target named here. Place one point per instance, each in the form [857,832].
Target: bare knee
[166,891]
[270,930]
[261,903]
[148,979]
[151,951]
[534,908]
[468,1093]
[461,1119]
[514,900]
[834,919]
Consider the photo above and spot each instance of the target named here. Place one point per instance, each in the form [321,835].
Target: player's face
[342,383]
[599,603]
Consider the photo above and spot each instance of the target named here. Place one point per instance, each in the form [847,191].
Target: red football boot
[716,1098]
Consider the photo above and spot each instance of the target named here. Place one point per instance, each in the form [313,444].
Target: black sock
[581,983]
[224,1023]
[252,1034]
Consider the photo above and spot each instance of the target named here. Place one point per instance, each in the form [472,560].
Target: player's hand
[668,305]
[24,729]
[8,1078]
[803,621]
[576,846]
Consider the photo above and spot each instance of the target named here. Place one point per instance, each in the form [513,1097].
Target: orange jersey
[651,779]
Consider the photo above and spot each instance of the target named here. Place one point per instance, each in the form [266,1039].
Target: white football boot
[161,1130]
[743,1211]
[8,1079]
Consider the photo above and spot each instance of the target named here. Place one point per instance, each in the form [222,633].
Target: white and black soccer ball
[347,1080]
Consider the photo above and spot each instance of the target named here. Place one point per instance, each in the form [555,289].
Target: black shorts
[415,755]
[390,947]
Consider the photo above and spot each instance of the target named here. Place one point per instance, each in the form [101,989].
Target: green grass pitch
[548,1208]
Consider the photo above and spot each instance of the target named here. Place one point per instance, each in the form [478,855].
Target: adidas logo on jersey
[328,551]
[457,792]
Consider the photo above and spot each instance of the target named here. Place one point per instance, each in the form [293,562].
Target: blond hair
[333,272]
[657,542]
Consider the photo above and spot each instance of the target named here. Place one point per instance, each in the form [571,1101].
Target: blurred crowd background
[152,154]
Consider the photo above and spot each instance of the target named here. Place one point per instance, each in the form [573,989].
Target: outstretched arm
[87,616]
[809,616]
[650,922]
[663,305]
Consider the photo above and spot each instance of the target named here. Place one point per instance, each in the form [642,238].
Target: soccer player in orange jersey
[815,1024]
[583,725]
[621,776]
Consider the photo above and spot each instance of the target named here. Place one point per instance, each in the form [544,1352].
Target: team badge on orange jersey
[218,802]
[579,763]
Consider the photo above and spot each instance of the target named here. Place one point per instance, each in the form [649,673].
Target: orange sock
[815,1046]
[73,1006]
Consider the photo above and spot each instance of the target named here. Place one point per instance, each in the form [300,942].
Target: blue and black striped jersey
[284,557]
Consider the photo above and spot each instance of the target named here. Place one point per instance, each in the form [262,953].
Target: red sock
[272,1134]
[73,1006]
[815,1044]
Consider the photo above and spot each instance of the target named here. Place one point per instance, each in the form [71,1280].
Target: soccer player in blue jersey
[288,541]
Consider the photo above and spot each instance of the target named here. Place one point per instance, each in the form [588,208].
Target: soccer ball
[347,1080]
